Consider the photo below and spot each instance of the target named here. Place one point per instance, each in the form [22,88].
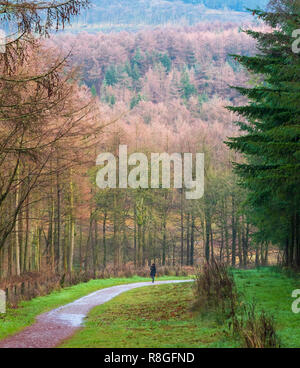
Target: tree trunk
[181,228]
[17,243]
[104,239]
[207,237]
[58,224]
[164,241]
[192,239]
[233,228]
[72,226]
[188,240]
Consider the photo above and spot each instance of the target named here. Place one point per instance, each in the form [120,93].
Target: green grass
[156,317]
[160,316]
[17,319]
[272,291]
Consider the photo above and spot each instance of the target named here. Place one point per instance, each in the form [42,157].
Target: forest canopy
[238,5]
[133,15]
[67,98]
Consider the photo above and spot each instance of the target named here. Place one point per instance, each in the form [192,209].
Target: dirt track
[53,327]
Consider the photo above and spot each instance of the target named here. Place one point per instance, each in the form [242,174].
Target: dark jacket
[152,270]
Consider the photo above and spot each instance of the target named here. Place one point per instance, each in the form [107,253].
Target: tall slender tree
[270,142]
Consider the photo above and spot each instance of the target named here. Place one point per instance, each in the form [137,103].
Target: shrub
[215,290]
[256,330]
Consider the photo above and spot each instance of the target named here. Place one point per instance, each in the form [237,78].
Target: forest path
[53,327]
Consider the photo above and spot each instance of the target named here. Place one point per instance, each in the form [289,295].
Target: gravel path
[53,327]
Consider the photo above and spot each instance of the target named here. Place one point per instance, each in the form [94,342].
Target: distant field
[161,316]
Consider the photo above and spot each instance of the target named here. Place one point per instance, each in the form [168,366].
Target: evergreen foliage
[270,142]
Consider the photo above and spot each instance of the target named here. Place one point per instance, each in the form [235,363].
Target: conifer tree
[270,142]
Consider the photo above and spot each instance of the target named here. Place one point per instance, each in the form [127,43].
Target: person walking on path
[153,271]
